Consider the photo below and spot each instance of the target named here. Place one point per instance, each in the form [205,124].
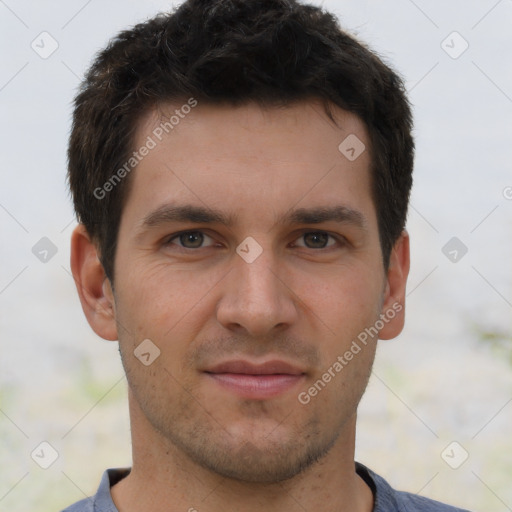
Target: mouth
[256,381]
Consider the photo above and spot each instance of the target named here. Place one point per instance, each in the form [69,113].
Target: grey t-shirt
[386,499]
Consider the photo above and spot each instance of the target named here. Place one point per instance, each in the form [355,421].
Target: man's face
[260,294]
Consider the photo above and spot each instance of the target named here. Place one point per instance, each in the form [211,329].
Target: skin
[196,444]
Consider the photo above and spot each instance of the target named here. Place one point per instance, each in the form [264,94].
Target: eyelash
[338,239]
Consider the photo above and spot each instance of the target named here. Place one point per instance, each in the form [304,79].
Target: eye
[190,240]
[316,240]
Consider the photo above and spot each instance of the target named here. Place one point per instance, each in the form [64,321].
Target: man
[241,172]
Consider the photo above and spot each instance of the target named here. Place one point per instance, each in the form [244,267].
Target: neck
[163,478]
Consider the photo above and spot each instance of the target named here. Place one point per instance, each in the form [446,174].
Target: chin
[272,457]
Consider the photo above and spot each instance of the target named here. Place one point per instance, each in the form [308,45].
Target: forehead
[279,127]
[250,159]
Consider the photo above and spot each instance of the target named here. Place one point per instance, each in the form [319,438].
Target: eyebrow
[186,213]
[168,213]
[340,214]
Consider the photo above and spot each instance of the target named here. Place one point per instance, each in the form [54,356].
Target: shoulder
[389,500]
[413,502]
[85,505]
[102,500]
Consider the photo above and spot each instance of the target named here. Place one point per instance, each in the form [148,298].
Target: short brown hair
[273,52]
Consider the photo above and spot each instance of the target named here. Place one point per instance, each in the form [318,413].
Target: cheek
[345,302]
[163,303]
[346,305]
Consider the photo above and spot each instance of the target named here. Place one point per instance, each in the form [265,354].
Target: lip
[241,366]
[256,381]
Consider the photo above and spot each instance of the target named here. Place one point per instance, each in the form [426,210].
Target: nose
[256,298]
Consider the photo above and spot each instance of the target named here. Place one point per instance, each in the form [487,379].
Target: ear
[94,288]
[393,307]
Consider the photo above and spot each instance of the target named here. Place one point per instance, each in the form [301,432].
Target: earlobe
[93,286]
[393,308]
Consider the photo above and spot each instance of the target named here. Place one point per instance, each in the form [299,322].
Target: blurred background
[437,416]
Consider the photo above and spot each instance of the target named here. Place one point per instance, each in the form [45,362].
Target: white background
[439,382]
